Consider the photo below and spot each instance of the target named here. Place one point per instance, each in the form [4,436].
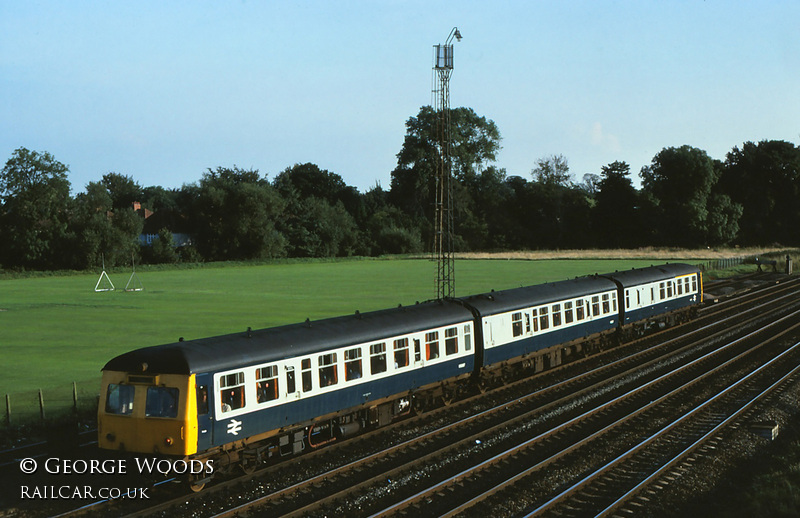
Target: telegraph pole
[443,246]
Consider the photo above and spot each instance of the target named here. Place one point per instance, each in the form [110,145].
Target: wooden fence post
[8,409]
[41,404]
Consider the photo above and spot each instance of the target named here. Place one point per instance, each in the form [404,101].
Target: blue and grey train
[243,398]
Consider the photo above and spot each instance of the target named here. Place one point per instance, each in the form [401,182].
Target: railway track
[358,485]
[356,476]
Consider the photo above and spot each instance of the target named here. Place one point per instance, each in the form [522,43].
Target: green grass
[55,330]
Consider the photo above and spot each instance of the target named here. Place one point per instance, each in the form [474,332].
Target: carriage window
[669,289]
[417,353]
[680,286]
[595,306]
[527,323]
[231,394]
[544,321]
[377,358]
[556,315]
[306,374]
[662,291]
[516,324]
[614,302]
[432,345]
[352,364]
[202,400]
[638,298]
[535,314]
[451,341]
[580,312]
[291,388]
[327,370]
[267,384]
[627,299]
[694,283]
[401,353]
[467,338]
[568,312]
[119,399]
[161,402]
[606,304]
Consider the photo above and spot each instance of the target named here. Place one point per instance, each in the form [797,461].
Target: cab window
[119,399]
[202,400]
[161,402]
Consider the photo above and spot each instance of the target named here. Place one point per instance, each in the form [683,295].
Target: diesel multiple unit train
[243,398]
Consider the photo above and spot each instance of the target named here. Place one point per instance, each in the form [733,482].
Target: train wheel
[197,486]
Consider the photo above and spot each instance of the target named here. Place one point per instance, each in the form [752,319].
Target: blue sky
[162,91]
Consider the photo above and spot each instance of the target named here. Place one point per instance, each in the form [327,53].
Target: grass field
[55,330]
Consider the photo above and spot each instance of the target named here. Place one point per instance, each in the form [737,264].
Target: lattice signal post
[443,246]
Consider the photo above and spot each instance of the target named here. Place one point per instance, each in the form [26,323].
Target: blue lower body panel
[538,342]
[347,396]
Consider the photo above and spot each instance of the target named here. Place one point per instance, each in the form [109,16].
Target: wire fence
[53,403]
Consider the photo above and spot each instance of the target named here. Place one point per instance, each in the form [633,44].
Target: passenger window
[680,286]
[535,314]
[231,393]
[202,400]
[595,306]
[468,338]
[544,321]
[291,387]
[352,364]
[516,324]
[401,353]
[267,384]
[662,291]
[580,312]
[568,316]
[377,358]
[694,283]
[450,341]
[417,353]
[669,289]
[119,399]
[606,304]
[305,365]
[556,315]
[327,370]
[432,345]
[161,402]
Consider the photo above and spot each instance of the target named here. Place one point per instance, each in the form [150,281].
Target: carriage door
[417,353]
[205,428]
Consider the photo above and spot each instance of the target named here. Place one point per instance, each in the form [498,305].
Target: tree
[614,217]
[678,185]
[552,171]
[102,233]
[475,142]
[764,179]
[34,201]
[234,216]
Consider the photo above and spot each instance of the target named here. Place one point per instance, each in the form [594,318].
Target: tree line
[687,199]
